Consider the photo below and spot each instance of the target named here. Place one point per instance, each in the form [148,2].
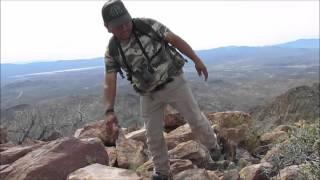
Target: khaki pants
[178,94]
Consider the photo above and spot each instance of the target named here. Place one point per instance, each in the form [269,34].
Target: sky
[66,30]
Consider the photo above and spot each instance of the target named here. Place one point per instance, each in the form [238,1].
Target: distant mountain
[11,70]
[231,55]
[262,55]
[301,43]
[300,103]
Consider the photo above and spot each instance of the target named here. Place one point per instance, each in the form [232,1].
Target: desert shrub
[302,149]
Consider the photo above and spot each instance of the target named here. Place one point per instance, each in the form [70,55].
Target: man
[143,49]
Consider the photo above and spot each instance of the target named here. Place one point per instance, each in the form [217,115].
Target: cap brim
[120,20]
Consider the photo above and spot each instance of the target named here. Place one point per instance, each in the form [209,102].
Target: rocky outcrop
[98,129]
[57,159]
[98,171]
[297,103]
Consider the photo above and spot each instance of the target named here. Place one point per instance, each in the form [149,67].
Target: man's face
[122,31]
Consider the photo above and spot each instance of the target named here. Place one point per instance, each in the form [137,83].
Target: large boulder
[57,159]
[14,153]
[192,150]
[98,171]
[176,166]
[130,153]
[256,171]
[98,129]
[231,125]
[179,135]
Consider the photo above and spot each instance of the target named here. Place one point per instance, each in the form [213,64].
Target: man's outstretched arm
[186,49]
[110,91]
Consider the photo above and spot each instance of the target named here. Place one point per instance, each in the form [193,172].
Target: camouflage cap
[114,13]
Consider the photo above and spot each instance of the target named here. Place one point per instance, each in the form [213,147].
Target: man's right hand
[111,122]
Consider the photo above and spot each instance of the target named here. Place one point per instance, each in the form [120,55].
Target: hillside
[299,103]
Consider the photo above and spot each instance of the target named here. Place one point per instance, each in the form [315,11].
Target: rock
[172,121]
[256,171]
[212,175]
[273,137]
[139,135]
[231,175]
[285,128]
[245,155]
[176,166]
[231,125]
[14,153]
[99,172]
[130,153]
[6,146]
[112,155]
[229,119]
[2,167]
[179,135]
[77,133]
[3,135]
[273,152]
[290,173]
[192,150]
[98,129]
[192,174]
[57,159]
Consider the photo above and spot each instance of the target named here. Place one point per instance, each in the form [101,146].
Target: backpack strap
[145,28]
[114,49]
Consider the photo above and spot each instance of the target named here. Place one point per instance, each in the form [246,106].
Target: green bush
[302,149]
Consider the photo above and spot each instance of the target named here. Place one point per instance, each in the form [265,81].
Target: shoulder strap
[145,29]
[114,49]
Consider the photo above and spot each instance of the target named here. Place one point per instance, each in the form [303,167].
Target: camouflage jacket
[146,73]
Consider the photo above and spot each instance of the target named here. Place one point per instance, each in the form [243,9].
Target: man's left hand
[201,69]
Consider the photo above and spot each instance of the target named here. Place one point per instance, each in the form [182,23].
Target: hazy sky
[61,30]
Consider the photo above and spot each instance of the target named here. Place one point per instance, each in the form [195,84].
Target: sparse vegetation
[302,150]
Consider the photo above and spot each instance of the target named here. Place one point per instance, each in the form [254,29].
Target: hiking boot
[215,154]
[158,176]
